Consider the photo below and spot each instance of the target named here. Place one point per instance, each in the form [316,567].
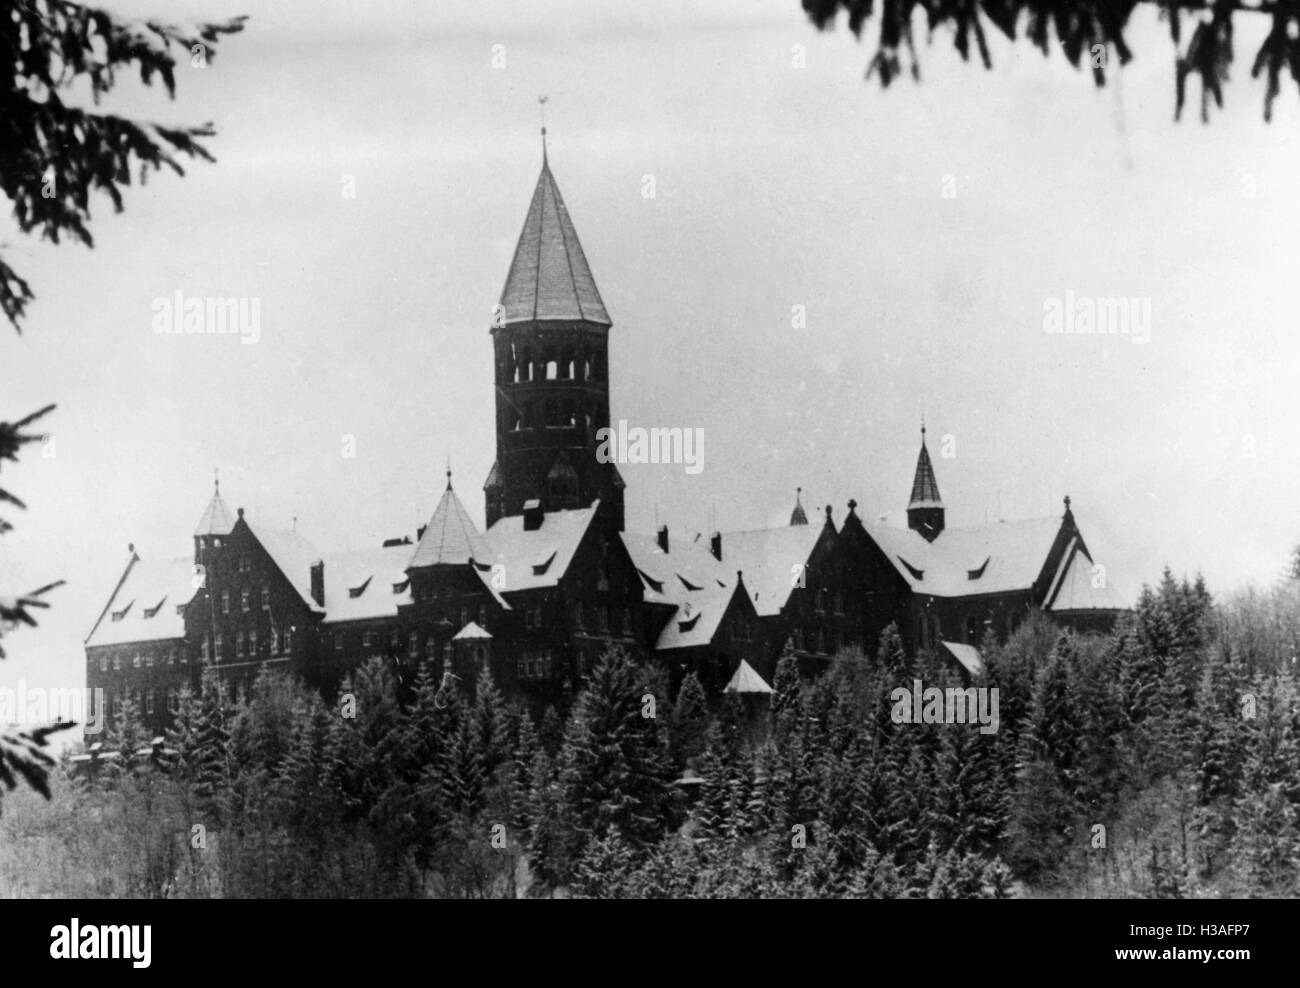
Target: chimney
[532,514]
[715,545]
[318,582]
[663,538]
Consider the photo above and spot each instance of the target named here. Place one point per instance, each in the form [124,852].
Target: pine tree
[614,767]
[784,711]
[690,720]
[208,757]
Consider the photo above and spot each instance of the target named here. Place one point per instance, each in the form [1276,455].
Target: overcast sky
[775,186]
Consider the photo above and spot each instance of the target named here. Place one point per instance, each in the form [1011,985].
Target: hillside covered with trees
[1162,760]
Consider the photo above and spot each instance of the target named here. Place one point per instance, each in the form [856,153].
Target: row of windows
[536,665]
[281,643]
[146,701]
[551,365]
[144,660]
[819,640]
[599,615]
[245,599]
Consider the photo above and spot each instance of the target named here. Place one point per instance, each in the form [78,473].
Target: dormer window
[357,591]
[975,574]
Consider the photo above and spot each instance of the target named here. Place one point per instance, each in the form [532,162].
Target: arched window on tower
[566,365]
[586,368]
[552,368]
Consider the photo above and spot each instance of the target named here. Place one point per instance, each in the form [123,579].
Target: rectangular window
[365,639]
[266,598]
[413,645]
[148,702]
[148,660]
[252,644]
[103,663]
[203,649]
[239,644]
[275,640]
[245,601]
[220,648]
[117,663]
[225,602]
[338,640]
[430,648]
[395,640]
[288,642]
[135,661]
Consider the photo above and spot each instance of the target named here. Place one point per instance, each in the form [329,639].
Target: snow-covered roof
[144,606]
[294,556]
[450,538]
[688,576]
[1076,589]
[538,557]
[967,655]
[216,518]
[470,631]
[770,559]
[993,558]
[746,680]
[366,583]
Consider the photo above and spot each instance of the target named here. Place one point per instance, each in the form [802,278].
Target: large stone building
[554,580]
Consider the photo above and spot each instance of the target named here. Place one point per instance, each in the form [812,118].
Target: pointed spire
[925,489]
[216,519]
[549,277]
[541,102]
[797,516]
[925,507]
[450,538]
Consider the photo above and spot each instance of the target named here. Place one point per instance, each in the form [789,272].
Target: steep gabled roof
[450,538]
[1075,589]
[689,577]
[378,574]
[143,608]
[549,278]
[294,556]
[770,559]
[533,558]
[964,561]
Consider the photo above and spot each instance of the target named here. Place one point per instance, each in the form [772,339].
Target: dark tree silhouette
[53,155]
[1089,33]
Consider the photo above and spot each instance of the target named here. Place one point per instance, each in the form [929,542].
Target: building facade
[554,580]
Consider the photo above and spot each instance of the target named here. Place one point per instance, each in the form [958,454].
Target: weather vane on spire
[216,481]
[448,471]
[541,103]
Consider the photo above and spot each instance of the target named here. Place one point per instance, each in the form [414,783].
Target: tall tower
[550,336]
[925,507]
